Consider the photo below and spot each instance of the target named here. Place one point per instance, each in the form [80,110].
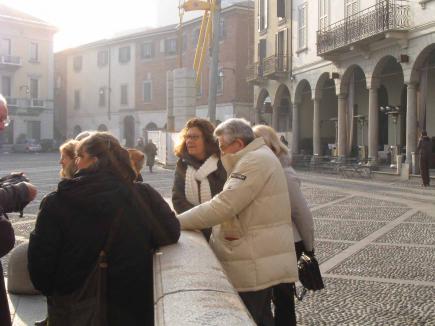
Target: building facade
[26,75]
[135,90]
[346,77]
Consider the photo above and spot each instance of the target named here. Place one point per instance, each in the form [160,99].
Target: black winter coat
[71,229]
[12,199]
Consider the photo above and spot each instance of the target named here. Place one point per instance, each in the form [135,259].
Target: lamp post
[394,113]
[214,62]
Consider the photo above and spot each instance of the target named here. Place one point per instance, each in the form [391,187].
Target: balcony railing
[276,66]
[10,60]
[12,102]
[37,103]
[385,16]
[254,72]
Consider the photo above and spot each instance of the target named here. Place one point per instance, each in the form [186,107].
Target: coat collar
[230,160]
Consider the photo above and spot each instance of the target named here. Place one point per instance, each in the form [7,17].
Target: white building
[346,73]
[26,75]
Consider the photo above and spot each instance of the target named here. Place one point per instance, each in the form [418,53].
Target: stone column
[411,121]
[275,115]
[184,97]
[316,127]
[295,128]
[373,136]
[342,137]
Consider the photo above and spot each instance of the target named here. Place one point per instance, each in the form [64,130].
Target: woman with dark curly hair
[199,174]
[100,205]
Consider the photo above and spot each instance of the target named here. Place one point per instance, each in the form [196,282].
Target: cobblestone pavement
[375,242]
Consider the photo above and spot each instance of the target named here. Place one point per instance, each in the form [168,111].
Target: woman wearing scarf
[199,174]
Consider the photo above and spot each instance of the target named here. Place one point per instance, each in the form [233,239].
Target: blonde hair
[137,159]
[69,148]
[271,139]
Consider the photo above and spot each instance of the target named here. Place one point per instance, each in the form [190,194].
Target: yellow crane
[205,33]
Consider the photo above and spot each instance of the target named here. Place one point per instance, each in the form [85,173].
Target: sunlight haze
[79,22]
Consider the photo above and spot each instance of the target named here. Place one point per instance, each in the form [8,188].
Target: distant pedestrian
[151,152]
[140,145]
[303,226]
[424,149]
[199,174]
[283,140]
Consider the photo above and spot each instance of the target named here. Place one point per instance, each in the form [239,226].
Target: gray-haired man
[252,233]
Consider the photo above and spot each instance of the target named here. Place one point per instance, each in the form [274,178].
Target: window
[262,15]
[124,94]
[280,9]
[171,46]
[302,26]
[147,50]
[124,54]
[33,52]
[102,96]
[76,99]
[6,86]
[351,7]
[102,58]
[5,46]
[147,91]
[77,63]
[222,30]
[34,89]
[323,14]
[220,82]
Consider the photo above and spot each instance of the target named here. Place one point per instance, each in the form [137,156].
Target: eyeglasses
[192,137]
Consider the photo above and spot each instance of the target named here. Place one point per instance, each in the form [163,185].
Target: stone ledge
[191,288]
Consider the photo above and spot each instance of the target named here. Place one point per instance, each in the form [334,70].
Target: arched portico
[282,109]
[387,109]
[353,113]
[302,124]
[263,108]
[325,116]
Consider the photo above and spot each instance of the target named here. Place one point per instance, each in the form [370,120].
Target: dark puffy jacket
[12,198]
[71,229]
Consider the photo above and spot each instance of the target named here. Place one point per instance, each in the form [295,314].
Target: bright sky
[83,21]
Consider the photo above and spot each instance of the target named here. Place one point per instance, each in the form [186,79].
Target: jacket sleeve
[13,198]
[237,194]
[44,248]
[165,227]
[7,237]
[301,214]
[179,201]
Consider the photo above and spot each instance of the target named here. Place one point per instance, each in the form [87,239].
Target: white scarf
[200,175]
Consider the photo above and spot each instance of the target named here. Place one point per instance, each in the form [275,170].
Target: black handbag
[86,306]
[309,275]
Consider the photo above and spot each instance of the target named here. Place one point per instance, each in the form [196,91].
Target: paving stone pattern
[327,249]
[366,303]
[390,262]
[422,217]
[344,230]
[349,212]
[317,196]
[411,233]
